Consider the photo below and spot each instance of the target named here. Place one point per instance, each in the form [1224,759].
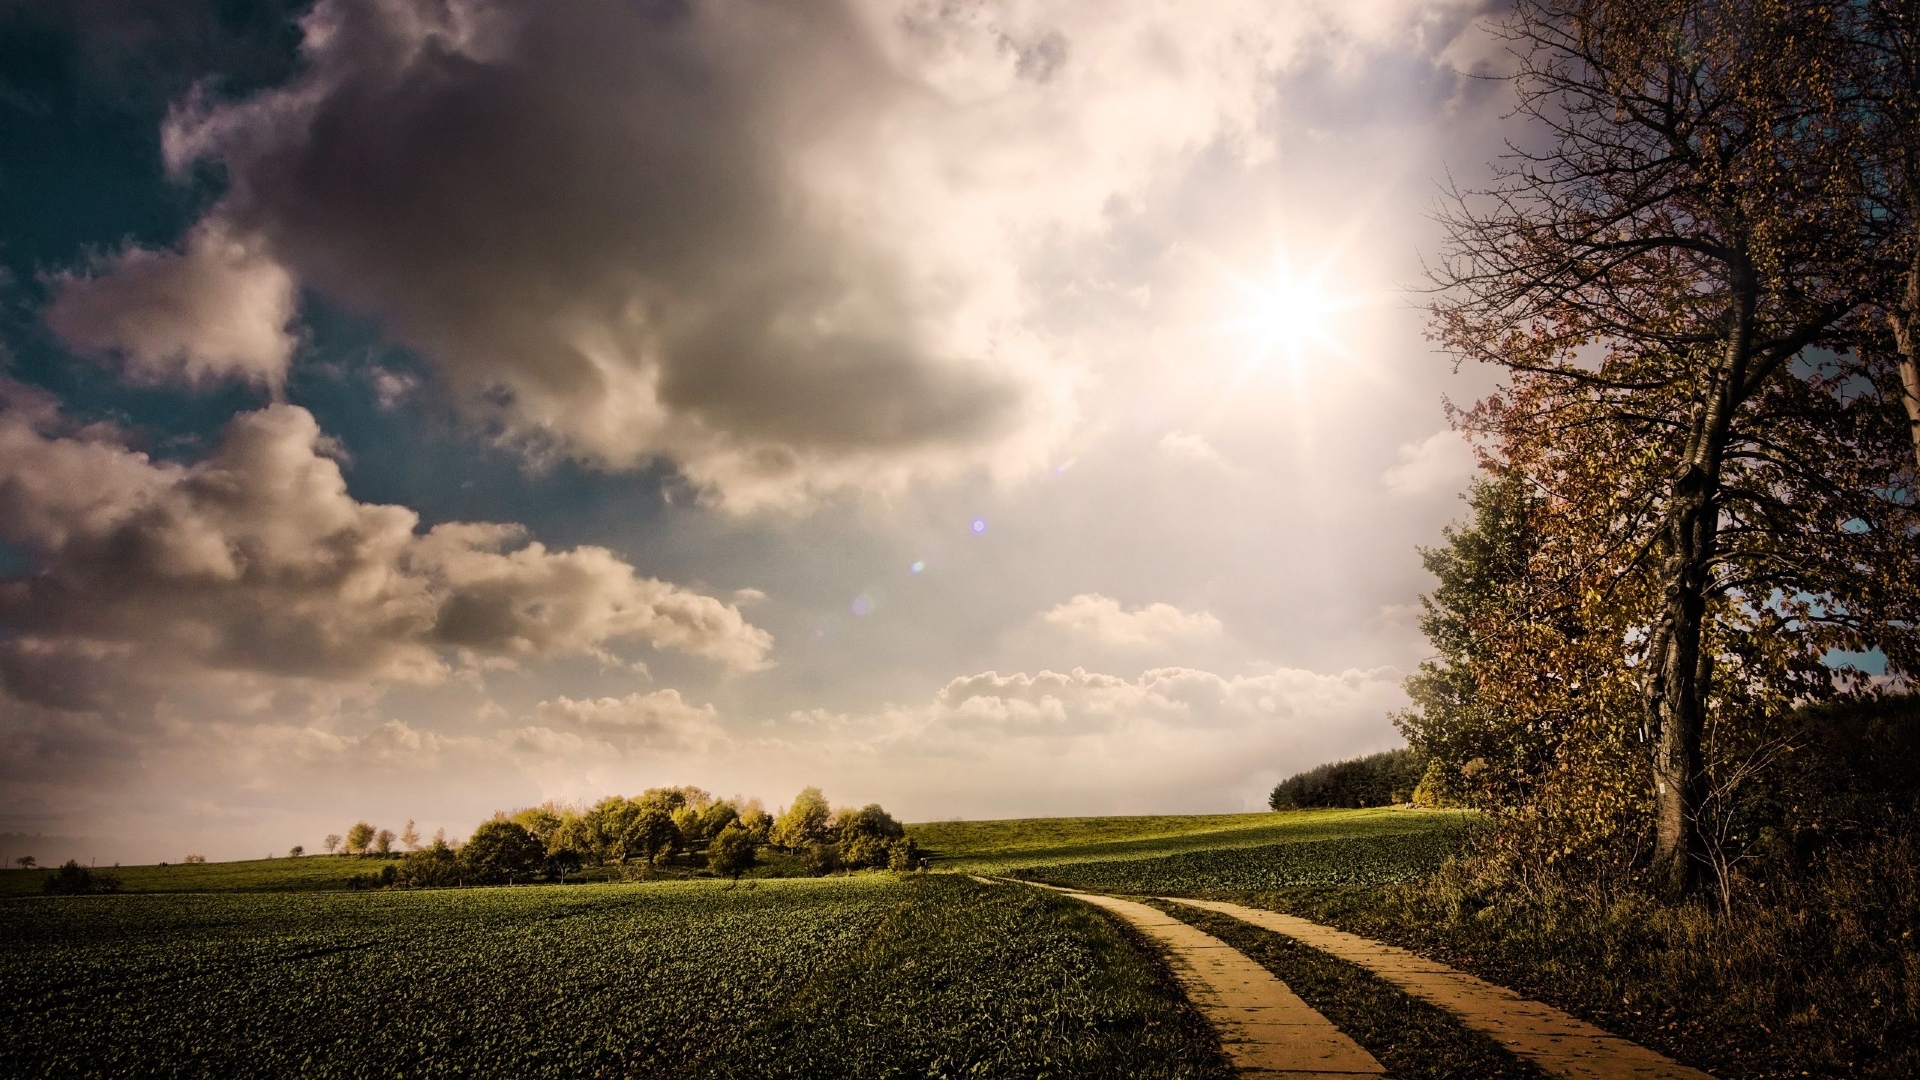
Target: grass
[994,847]
[1815,977]
[248,875]
[912,975]
[1414,1040]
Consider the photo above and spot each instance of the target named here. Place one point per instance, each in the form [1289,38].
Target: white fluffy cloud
[1440,463]
[217,308]
[1101,619]
[661,718]
[256,560]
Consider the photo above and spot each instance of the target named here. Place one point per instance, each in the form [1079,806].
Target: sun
[1287,313]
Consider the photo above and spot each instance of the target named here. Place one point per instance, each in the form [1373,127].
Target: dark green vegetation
[1814,977]
[993,847]
[870,976]
[1414,1040]
[1382,779]
[1360,860]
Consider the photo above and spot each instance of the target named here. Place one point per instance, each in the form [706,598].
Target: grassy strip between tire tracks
[1413,1039]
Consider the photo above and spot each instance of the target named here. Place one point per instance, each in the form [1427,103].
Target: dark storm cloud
[612,229]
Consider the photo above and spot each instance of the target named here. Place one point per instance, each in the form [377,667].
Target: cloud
[789,247]
[1182,446]
[255,560]
[1442,462]
[218,308]
[1101,619]
[1083,741]
[661,718]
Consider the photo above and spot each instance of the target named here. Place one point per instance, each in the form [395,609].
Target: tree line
[659,828]
[1388,778]
[1696,269]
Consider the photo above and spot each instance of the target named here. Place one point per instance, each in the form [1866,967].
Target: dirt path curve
[1558,1043]
[1265,1028]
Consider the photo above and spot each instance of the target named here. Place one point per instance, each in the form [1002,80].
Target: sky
[416,409]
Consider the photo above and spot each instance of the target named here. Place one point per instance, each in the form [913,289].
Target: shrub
[434,866]
[72,879]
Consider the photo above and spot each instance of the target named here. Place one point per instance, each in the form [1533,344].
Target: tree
[731,852]
[410,836]
[757,822]
[501,851]
[434,866]
[651,835]
[296,851]
[804,823]
[27,862]
[1885,35]
[359,838]
[1667,284]
[383,842]
[867,836]
[331,843]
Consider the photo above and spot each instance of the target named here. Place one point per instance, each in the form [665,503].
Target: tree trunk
[1680,666]
[1903,319]
[1678,681]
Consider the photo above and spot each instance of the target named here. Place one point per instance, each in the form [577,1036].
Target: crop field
[999,847]
[1361,860]
[876,975]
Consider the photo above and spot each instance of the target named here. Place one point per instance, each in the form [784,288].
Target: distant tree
[542,821]
[296,851]
[359,838]
[730,853]
[72,879]
[804,823]
[572,834]
[651,835]
[433,866]
[410,837]
[331,843]
[501,851]
[757,822]
[606,823]
[1379,779]
[867,836]
[194,859]
[383,842]
[561,863]
[822,859]
[27,862]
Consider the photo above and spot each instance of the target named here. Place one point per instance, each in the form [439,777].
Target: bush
[432,867]
[72,879]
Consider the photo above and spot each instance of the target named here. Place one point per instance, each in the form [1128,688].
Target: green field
[998,847]
[247,875]
[876,975]
[1357,860]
